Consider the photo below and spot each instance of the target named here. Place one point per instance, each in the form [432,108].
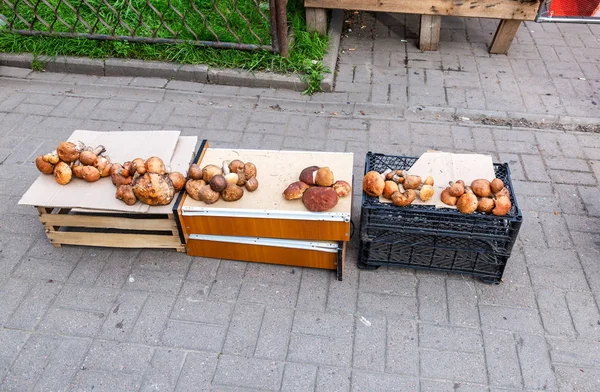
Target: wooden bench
[511,13]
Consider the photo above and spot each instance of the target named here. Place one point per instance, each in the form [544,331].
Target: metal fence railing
[238,24]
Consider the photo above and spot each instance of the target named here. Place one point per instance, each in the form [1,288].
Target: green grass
[304,59]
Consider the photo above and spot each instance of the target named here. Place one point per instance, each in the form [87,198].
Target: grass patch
[305,56]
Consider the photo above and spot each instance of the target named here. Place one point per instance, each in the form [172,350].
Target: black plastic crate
[432,238]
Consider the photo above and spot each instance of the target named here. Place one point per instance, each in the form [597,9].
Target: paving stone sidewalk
[71,319]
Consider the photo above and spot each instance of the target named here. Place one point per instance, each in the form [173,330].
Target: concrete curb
[189,73]
[330,60]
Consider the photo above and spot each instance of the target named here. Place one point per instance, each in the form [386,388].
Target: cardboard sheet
[176,151]
[275,171]
[445,167]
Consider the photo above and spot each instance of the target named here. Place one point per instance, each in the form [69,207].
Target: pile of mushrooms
[75,160]
[147,181]
[482,195]
[398,186]
[318,189]
[226,181]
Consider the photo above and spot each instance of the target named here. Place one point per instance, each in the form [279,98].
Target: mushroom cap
[467,203]
[232,192]
[207,195]
[192,187]
[486,204]
[249,170]
[342,188]
[404,199]
[481,187]
[43,166]
[67,152]
[251,184]
[218,183]
[389,188]
[426,192]
[90,173]
[178,180]
[295,190]
[62,173]
[209,171]
[153,165]
[319,199]
[324,177]
[195,172]
[412,182]
[373,184]
[154,189]
[236,166]
[447,198]
[87,157]
[456,188]
[125,194]
[496,185]
[503,206]
[308,175]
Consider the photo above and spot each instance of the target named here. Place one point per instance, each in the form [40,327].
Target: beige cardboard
[445,167]
[121,147]
[275,171]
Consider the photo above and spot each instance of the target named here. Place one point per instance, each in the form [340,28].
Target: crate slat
[108,222]
[116,240]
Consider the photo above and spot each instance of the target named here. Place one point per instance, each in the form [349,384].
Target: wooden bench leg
[429,37]
[316,20]
[507,29]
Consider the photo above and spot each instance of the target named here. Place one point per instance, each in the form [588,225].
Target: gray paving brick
[572,177]
[450,338]
[104,381]
[274,334]
[402,354]
[72,322]
[323,324]
[298,377]
[573,352]
[462,303]
[370,344]
[389,305]
[392,282]
[589,258]
[502,359]
[591,202]
[197,373]
[118,357]
[62,366]
[34,306]
[362,381]
[243,330]
[122,316]
[510,319]
[194,336]
[584,312]
[332,379]
[13,292]
[323,350]
[152,319]
[252,373]
[467,367]
[313,290]
[535,363]
[512,295]
[561,278]
[28,366]
[274,294]
[433,305]
[555,231]
[577,378]
[451,386]
[570,203]
[555,313]
[56,270]
[78,297]
[164,370]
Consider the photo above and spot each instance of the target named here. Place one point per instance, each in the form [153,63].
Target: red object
[573,7]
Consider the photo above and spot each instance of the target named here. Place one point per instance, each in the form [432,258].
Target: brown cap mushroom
[496,185]
[140,165]
[207,195]
[319,199]
[153,189]
[411,181]
[209,171]
[403,199]
[249,170]
[68,152]
[153,165]
[342,188]
[43,166]
[324,177]
[447,198]
[457,188]
[125,193]
[308,175]
[426,192]
[481,187]
[373,184]
[389,188]
[232,192]
[503,206]
[486,204]
[62,173]
[236,166]
[218,183]
[194,172]
[192,187]
[467,203]
[178,180]
[90,174]
[295,190]
[251,184]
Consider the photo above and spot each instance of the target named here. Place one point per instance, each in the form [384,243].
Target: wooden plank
[109,222]
[116,240]
[429,37]
[507,29]
[316,20]
[267,227]
[262,254]
[496,9]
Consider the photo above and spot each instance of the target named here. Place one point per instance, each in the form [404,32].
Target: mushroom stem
[99,150]
[226,168]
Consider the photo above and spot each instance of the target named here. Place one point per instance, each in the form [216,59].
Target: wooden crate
[65,226]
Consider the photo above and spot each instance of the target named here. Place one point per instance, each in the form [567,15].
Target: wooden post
[507,29]
[282,28]
[429,37]
[316,20]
